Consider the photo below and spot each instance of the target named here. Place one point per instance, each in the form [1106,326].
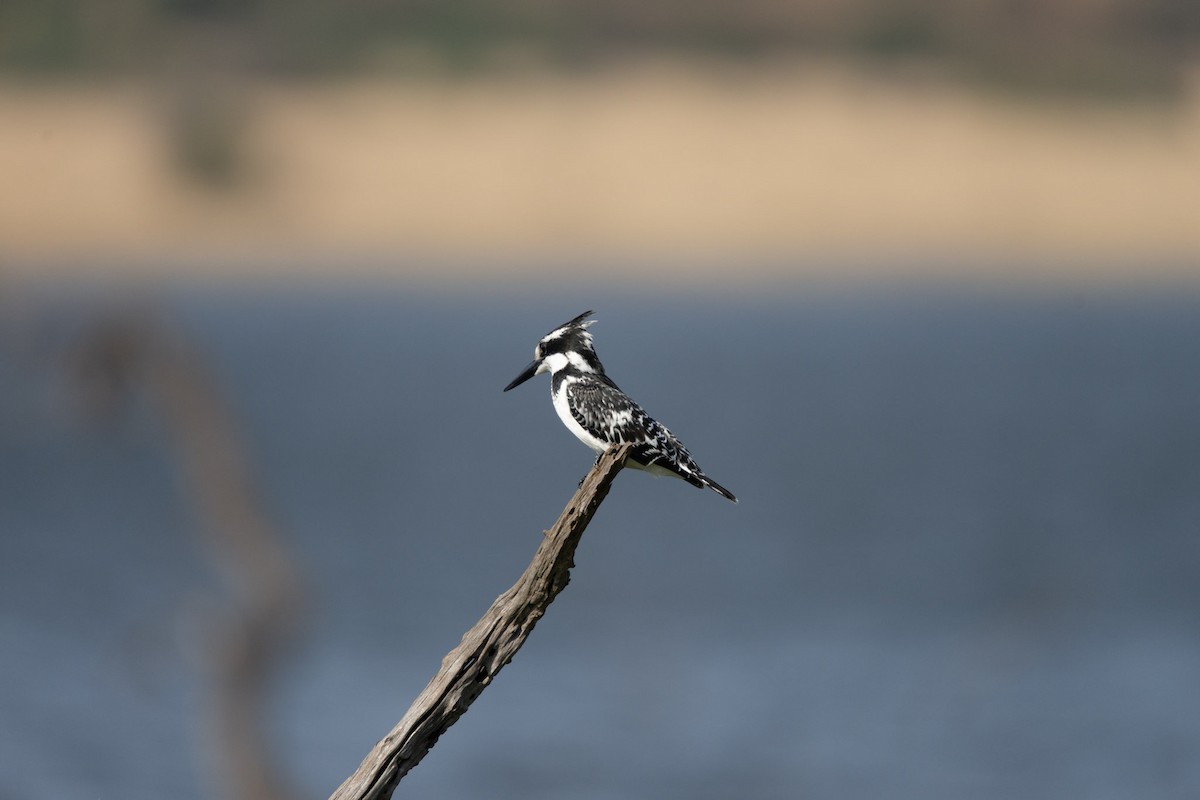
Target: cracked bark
[487,647]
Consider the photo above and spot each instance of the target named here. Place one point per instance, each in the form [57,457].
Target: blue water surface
[966,560]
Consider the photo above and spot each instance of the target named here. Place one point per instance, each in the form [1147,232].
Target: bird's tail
[719,489]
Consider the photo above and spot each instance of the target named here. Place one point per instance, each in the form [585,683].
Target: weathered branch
[485,648]
[247,643]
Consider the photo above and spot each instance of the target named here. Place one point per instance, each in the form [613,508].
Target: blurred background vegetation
[781,134]
[1094,46]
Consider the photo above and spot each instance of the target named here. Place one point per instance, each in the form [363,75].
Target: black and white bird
[599,413]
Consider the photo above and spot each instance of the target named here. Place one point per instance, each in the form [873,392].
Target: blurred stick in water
[249,640]
[487,647]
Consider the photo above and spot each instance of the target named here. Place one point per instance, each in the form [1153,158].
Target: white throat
[553,363]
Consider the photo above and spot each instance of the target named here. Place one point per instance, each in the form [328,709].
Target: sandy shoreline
[650,165]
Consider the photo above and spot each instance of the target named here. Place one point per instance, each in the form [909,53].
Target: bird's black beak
[525,375]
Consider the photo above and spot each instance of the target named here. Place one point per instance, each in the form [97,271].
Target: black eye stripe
[558,345]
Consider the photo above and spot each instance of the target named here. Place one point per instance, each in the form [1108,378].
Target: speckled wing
[610,415]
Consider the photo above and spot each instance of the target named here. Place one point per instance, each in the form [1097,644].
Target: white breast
[564,413]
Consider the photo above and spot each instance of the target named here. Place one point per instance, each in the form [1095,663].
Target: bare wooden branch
[248,641]
[487,647]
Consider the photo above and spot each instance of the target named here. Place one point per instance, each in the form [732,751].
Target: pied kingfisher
[599,413]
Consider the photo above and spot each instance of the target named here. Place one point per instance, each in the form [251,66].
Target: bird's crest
[577,326]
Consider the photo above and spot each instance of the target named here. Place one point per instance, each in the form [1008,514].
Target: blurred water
[965,563]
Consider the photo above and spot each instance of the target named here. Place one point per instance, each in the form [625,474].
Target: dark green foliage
[1124,46]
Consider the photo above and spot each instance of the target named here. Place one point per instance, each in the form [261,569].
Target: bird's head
[568,345]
